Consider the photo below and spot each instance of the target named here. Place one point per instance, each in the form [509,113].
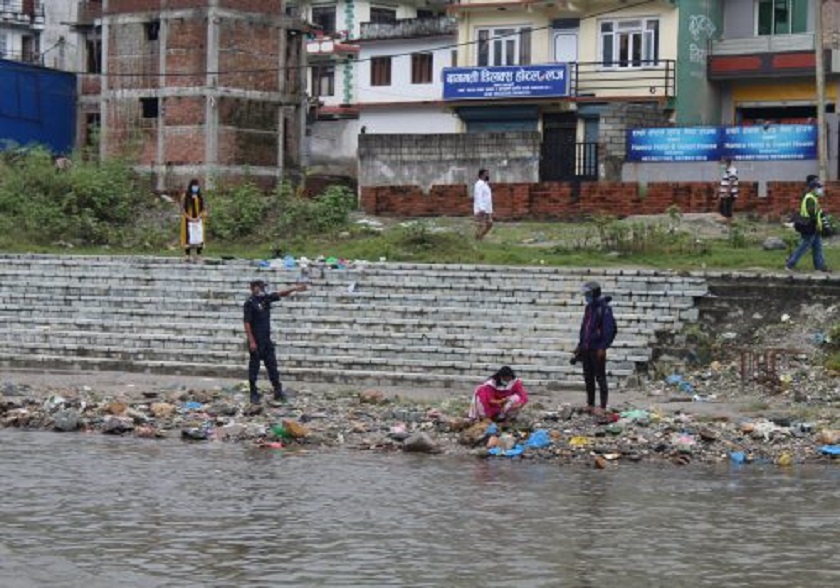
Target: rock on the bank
[372,397]
[774,244]
[294,429]
[420,443]
[114,425]
[66,421]
[475,434]
[162,410]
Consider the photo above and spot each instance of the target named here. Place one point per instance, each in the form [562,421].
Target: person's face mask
[589,298]
[819,191]
[194,189]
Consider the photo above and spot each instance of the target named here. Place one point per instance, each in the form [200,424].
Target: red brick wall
[274,7]
[562,200]
[186,52]
[184,110]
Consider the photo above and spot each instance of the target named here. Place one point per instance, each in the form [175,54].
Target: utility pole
[819,46]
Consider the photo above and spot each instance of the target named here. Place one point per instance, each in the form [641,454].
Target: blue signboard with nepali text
[525,81]
[751,143]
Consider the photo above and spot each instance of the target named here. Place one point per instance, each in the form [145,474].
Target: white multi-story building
[375,67]
[21,24]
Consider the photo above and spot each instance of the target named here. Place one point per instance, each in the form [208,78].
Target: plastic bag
[196,232]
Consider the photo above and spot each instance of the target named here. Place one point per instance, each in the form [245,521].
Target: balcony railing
[409,28]
[764,44]
[651,79]
[30,57]
[88,13]
[20,12]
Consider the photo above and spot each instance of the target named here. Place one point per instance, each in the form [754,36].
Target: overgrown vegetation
[244,212]
[92,204]
[89,203]
[832,345]
[106,207]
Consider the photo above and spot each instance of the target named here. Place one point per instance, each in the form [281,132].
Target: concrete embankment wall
[398,325]
[435,326]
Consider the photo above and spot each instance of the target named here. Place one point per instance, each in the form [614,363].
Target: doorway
[558,157]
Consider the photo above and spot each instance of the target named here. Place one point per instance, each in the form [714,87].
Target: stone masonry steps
[445,325]
[290,362]
[231,349]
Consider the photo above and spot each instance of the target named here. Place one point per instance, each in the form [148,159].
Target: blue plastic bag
[832,450]
[738,457]
[538,439]
[191,405]
[289,262]
[499,452]
[674,380]
[492,429]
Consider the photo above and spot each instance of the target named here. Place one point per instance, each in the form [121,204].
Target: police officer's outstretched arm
[290,291]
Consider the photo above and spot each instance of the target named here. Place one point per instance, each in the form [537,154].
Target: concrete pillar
[211,112]
[159,165]
[282,75]
[103,90]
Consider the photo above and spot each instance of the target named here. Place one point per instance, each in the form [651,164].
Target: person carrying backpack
[597,333]
[809,225]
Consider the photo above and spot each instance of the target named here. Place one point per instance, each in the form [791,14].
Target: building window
[504,46]
[324,18]
[380,71]
[152,30]
[782,17]
[383,15]
[421,68]
[630,43]
[92,123]
[150,107]
[4,47]
[454,62]
[93,47]
[323,80]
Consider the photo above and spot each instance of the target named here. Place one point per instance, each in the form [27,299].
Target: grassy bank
[450,241]
[96,208]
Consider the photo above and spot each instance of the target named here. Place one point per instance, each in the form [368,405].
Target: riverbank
[649,424]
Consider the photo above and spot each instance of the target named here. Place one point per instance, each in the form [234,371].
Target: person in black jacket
[597,332]
[258,330]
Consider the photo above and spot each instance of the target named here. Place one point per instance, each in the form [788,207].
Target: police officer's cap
[260,283]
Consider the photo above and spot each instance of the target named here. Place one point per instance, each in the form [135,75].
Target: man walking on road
[482,205]
[258,331]
[597,332]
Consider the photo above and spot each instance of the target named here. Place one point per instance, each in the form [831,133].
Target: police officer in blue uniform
[258,330]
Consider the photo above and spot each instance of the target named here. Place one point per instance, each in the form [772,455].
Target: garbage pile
[374,422]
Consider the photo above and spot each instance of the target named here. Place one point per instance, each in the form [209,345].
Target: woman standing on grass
[193,215]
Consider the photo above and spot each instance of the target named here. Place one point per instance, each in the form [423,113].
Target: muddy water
[92,511]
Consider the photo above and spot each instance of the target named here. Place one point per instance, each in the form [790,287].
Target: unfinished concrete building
[209,89]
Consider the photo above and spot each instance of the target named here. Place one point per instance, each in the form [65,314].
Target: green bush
[237,211]
[245,212]
[88,203]
[327,213]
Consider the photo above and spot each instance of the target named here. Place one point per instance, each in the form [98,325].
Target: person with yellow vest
[809,224]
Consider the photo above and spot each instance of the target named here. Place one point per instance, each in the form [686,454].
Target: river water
[91,511]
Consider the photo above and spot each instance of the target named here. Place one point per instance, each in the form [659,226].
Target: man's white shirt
[482,198]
